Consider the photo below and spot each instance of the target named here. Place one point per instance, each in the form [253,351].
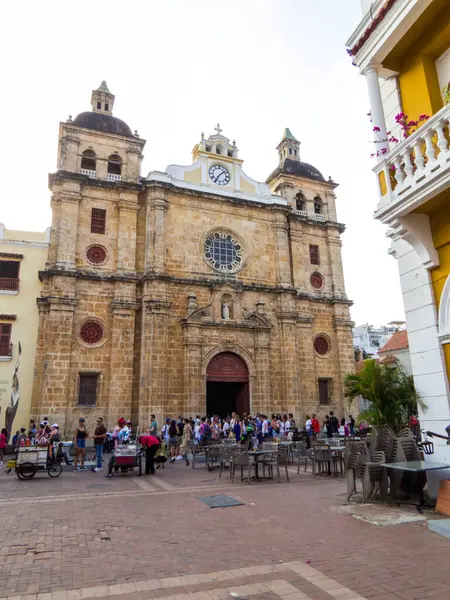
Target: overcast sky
[177,67]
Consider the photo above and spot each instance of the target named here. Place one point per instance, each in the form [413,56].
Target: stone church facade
[193,291]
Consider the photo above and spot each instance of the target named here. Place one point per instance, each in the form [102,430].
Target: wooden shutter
[5,339]
[88,390]
[314,255]
[98,220]
[324,396]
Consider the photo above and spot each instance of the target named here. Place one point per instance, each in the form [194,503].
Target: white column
[376,109]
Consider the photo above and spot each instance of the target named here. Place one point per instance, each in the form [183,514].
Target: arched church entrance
[227,385]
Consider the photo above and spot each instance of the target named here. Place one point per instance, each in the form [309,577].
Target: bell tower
[289,147]
[102,101]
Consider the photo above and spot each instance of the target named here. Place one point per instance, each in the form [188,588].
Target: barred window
[314,255]
[87,395]
[98,220]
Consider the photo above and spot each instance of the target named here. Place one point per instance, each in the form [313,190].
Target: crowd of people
[173,441]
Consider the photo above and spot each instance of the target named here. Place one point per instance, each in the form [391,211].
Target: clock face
[219,175]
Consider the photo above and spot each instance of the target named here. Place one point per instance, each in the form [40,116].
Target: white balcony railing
[306,214]
[89,173]
[417,165]
[113,177]
[301,213]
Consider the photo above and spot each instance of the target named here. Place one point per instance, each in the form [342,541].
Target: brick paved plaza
[84,536]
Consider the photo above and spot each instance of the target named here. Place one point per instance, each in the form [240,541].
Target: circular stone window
[96,255]
[316,280]
[91,333]
[321,345]
[223,252]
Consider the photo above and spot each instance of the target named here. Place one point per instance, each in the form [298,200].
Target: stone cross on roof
[217,128]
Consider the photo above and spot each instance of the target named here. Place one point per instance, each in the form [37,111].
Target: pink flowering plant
[407,127]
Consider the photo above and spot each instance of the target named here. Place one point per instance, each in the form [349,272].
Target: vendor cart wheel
[140,464]
[26,470]
[54,470]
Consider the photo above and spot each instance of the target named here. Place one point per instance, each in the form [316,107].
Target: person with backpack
[205,431]
[173,440]
[334,424]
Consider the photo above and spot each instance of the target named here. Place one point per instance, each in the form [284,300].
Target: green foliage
[390,391]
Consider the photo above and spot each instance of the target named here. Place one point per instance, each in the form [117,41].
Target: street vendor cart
[31,459]
[125,459]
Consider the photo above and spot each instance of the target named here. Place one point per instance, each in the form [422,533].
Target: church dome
[103,122]
[297,168]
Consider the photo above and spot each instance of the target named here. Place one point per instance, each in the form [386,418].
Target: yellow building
[402,47]
[22,256]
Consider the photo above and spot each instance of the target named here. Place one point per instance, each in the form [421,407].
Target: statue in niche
[225,310]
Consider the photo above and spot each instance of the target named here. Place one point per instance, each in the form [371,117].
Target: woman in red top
[3,442]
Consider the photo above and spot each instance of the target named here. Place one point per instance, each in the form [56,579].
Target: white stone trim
[399,19]
[444,314]
[415,229]
[6,242]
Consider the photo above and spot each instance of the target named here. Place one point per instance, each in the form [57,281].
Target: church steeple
[289,147]
[102,101]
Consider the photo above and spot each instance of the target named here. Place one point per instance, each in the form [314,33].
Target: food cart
[126,458]
[31,459]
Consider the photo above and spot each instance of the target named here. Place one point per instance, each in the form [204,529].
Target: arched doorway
[227,385]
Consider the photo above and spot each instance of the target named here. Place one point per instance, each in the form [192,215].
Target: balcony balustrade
[10,284]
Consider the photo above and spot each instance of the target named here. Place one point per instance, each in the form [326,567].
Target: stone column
[68,198]
[68,153]
[119,402]
[153,368]
[283,252]
[156,230]
[376,109]
[126,239]
[334,247]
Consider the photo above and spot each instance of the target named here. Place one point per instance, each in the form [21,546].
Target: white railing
[113,177]
[89,173]
[418,161]
[305,213]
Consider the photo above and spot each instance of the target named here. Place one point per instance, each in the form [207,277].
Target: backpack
[206,430]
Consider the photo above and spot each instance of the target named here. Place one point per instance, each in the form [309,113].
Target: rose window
[316,280]
[223,252]
[91,332]
[96,255]
[321,345]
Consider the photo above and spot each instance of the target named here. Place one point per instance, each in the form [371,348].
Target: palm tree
[390,391]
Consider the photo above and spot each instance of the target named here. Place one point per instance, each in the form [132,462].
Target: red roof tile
[399,341]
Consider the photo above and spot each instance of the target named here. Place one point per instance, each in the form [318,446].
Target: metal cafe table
[417,466]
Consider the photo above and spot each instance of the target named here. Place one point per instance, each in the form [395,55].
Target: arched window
[317,205]
[300,201]
[106,106]
[88,163]
[114,167]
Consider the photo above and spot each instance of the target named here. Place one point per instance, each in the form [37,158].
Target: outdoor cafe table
[416,466]
[257,454]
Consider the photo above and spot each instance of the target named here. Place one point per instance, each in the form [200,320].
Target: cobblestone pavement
[84,536]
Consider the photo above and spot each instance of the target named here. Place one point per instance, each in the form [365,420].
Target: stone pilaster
[290,367]
[261,395]
[345,354]
[156,230]
[153,368]
[194,384]
[53,391]
[68,198]
[119,401]
[283,263]
[308,392]
[126,239]
[334,246]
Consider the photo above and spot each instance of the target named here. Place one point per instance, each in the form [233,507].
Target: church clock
[219,175]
